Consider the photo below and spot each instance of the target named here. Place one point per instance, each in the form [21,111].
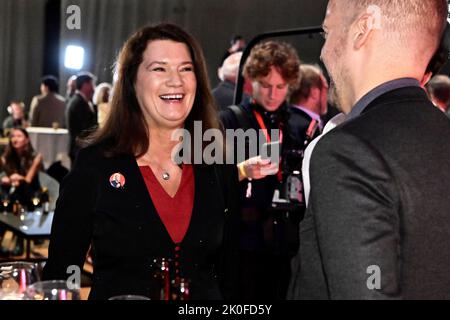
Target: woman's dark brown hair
[15,163]
[126,129]
[280,55]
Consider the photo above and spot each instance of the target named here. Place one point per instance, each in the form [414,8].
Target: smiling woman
[127,197]
[166,84]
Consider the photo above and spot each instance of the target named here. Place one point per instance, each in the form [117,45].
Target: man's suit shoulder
[76,101]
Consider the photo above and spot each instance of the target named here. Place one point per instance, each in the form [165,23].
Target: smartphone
[272,151]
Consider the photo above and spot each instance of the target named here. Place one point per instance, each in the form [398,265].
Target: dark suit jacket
[298,125]
[379,200]
[80,120]
[127,233]
[224,94]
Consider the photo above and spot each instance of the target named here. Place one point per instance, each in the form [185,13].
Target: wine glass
[15,277]
[52,290]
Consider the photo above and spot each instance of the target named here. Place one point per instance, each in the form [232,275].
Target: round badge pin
[117,180]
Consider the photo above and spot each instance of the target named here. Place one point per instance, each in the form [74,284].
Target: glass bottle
[45,200]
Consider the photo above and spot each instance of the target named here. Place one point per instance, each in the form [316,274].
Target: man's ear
[426,77]
[315,93]
[362,29]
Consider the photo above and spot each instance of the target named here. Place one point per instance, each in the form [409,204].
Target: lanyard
[263,127]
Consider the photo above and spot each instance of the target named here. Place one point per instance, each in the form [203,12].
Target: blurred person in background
[17,117]
[19,176]
[71,87]
[228,72]
[49,108]
[101,99]
[81,113]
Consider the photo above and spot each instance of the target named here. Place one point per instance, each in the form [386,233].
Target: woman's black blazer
[127,234]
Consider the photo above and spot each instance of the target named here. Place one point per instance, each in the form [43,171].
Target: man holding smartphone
[272,68]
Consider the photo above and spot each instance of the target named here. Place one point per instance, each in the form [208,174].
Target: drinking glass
[52,290]
[15,277]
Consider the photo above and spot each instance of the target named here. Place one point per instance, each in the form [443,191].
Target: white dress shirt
[333,123]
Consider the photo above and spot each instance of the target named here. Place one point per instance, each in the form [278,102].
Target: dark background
[33,33]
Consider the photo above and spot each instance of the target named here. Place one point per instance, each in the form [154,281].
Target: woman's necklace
[165,174]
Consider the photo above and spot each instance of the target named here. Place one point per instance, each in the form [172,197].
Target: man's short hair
[230,67]
[414,18]
[311,77]
[439,88]
[51,82]
[84,77]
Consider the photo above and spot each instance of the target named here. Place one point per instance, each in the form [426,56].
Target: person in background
[266,245]
[377,223]
[308,103]
[20,165]
[228,72]
[71,87]
[81,113]
[439,91]
[237,44]
[17,117]
[49,108]
[128,197]
[101,100]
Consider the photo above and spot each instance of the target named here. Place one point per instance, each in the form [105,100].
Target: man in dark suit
[377,224]
[81,113]
[308,103]
[223,93]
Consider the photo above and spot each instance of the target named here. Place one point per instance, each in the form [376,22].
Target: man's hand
[256,168]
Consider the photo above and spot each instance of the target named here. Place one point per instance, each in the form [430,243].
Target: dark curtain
[21,50]
[106,24]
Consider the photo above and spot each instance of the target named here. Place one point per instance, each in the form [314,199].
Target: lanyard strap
[263,127]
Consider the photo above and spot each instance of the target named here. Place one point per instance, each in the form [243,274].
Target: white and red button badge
[117,180]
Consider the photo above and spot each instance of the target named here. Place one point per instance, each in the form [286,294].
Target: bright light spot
[74,58]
